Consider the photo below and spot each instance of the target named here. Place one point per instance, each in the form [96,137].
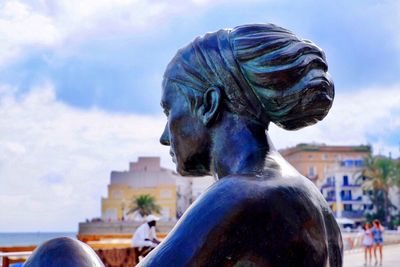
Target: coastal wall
[127,227]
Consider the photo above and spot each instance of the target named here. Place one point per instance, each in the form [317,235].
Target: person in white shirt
[144,239]
[367,241]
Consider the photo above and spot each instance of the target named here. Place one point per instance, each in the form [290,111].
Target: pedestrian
[377,232]
[144,239]
[367,241]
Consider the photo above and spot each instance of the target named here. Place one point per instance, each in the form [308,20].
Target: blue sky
[80,86]
[110,67]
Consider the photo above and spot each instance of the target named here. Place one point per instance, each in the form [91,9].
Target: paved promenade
[391,257]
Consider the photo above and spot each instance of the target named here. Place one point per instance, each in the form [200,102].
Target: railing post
[6,261]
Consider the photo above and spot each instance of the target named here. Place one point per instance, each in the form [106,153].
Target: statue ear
[211,103]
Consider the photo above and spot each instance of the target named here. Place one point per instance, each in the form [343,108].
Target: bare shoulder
[293,188]
[283,214]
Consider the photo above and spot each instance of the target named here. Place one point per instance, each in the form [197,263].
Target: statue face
[185,133]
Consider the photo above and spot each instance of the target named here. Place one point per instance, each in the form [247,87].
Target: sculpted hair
[265,72]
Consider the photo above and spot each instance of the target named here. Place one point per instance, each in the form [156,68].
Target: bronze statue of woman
[220,93]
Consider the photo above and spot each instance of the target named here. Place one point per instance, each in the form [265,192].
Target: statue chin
[198,165]
[193,172]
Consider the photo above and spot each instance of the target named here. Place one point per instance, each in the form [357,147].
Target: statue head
[261,73]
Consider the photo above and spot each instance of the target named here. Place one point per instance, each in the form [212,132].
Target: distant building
[336,170]
[342,189]
[189,189]
[172,192]
[146,176]
[313,160]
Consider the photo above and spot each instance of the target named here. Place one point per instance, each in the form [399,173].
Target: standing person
[367,243]
[144,239]
[377,232]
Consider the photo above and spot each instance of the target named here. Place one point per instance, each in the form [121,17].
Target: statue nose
[164,139]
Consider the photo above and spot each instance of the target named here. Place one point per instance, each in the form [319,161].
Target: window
[347,207]
[345,180]
[310,156]
[347,163]
[165,213]
[345,194]
[311,171]
[368,206]
[324,157]
[166,194]
[111,215]
[117,194]
[358,163]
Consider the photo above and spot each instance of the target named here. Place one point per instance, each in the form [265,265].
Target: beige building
[146,176]
[314,160]
[189,189]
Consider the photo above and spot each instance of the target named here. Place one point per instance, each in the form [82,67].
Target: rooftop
[324,148]
[146,172]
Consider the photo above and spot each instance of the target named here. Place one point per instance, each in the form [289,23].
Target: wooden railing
[97,237]
[10,255]
[111,248]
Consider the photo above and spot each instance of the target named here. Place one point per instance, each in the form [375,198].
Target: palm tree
[381,174]
[144,205]
[397,172]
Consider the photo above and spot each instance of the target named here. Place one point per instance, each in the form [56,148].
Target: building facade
[313,160]
[171,191]
[189,189]
[336,170]
[146,176]
[342,189]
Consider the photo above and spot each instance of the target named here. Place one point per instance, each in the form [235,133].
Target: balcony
[351,163]
[343,186]
[350,185]
[328,184]
[353,213]
[347,200]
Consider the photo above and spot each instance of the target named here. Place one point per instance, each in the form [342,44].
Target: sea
[30,239]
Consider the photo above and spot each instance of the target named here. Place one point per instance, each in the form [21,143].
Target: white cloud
[55,160]
[20,25]
[53,24]
[369,116]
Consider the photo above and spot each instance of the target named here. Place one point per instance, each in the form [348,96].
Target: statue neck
[239,146]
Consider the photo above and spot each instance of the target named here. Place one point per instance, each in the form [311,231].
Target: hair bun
[288,75]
